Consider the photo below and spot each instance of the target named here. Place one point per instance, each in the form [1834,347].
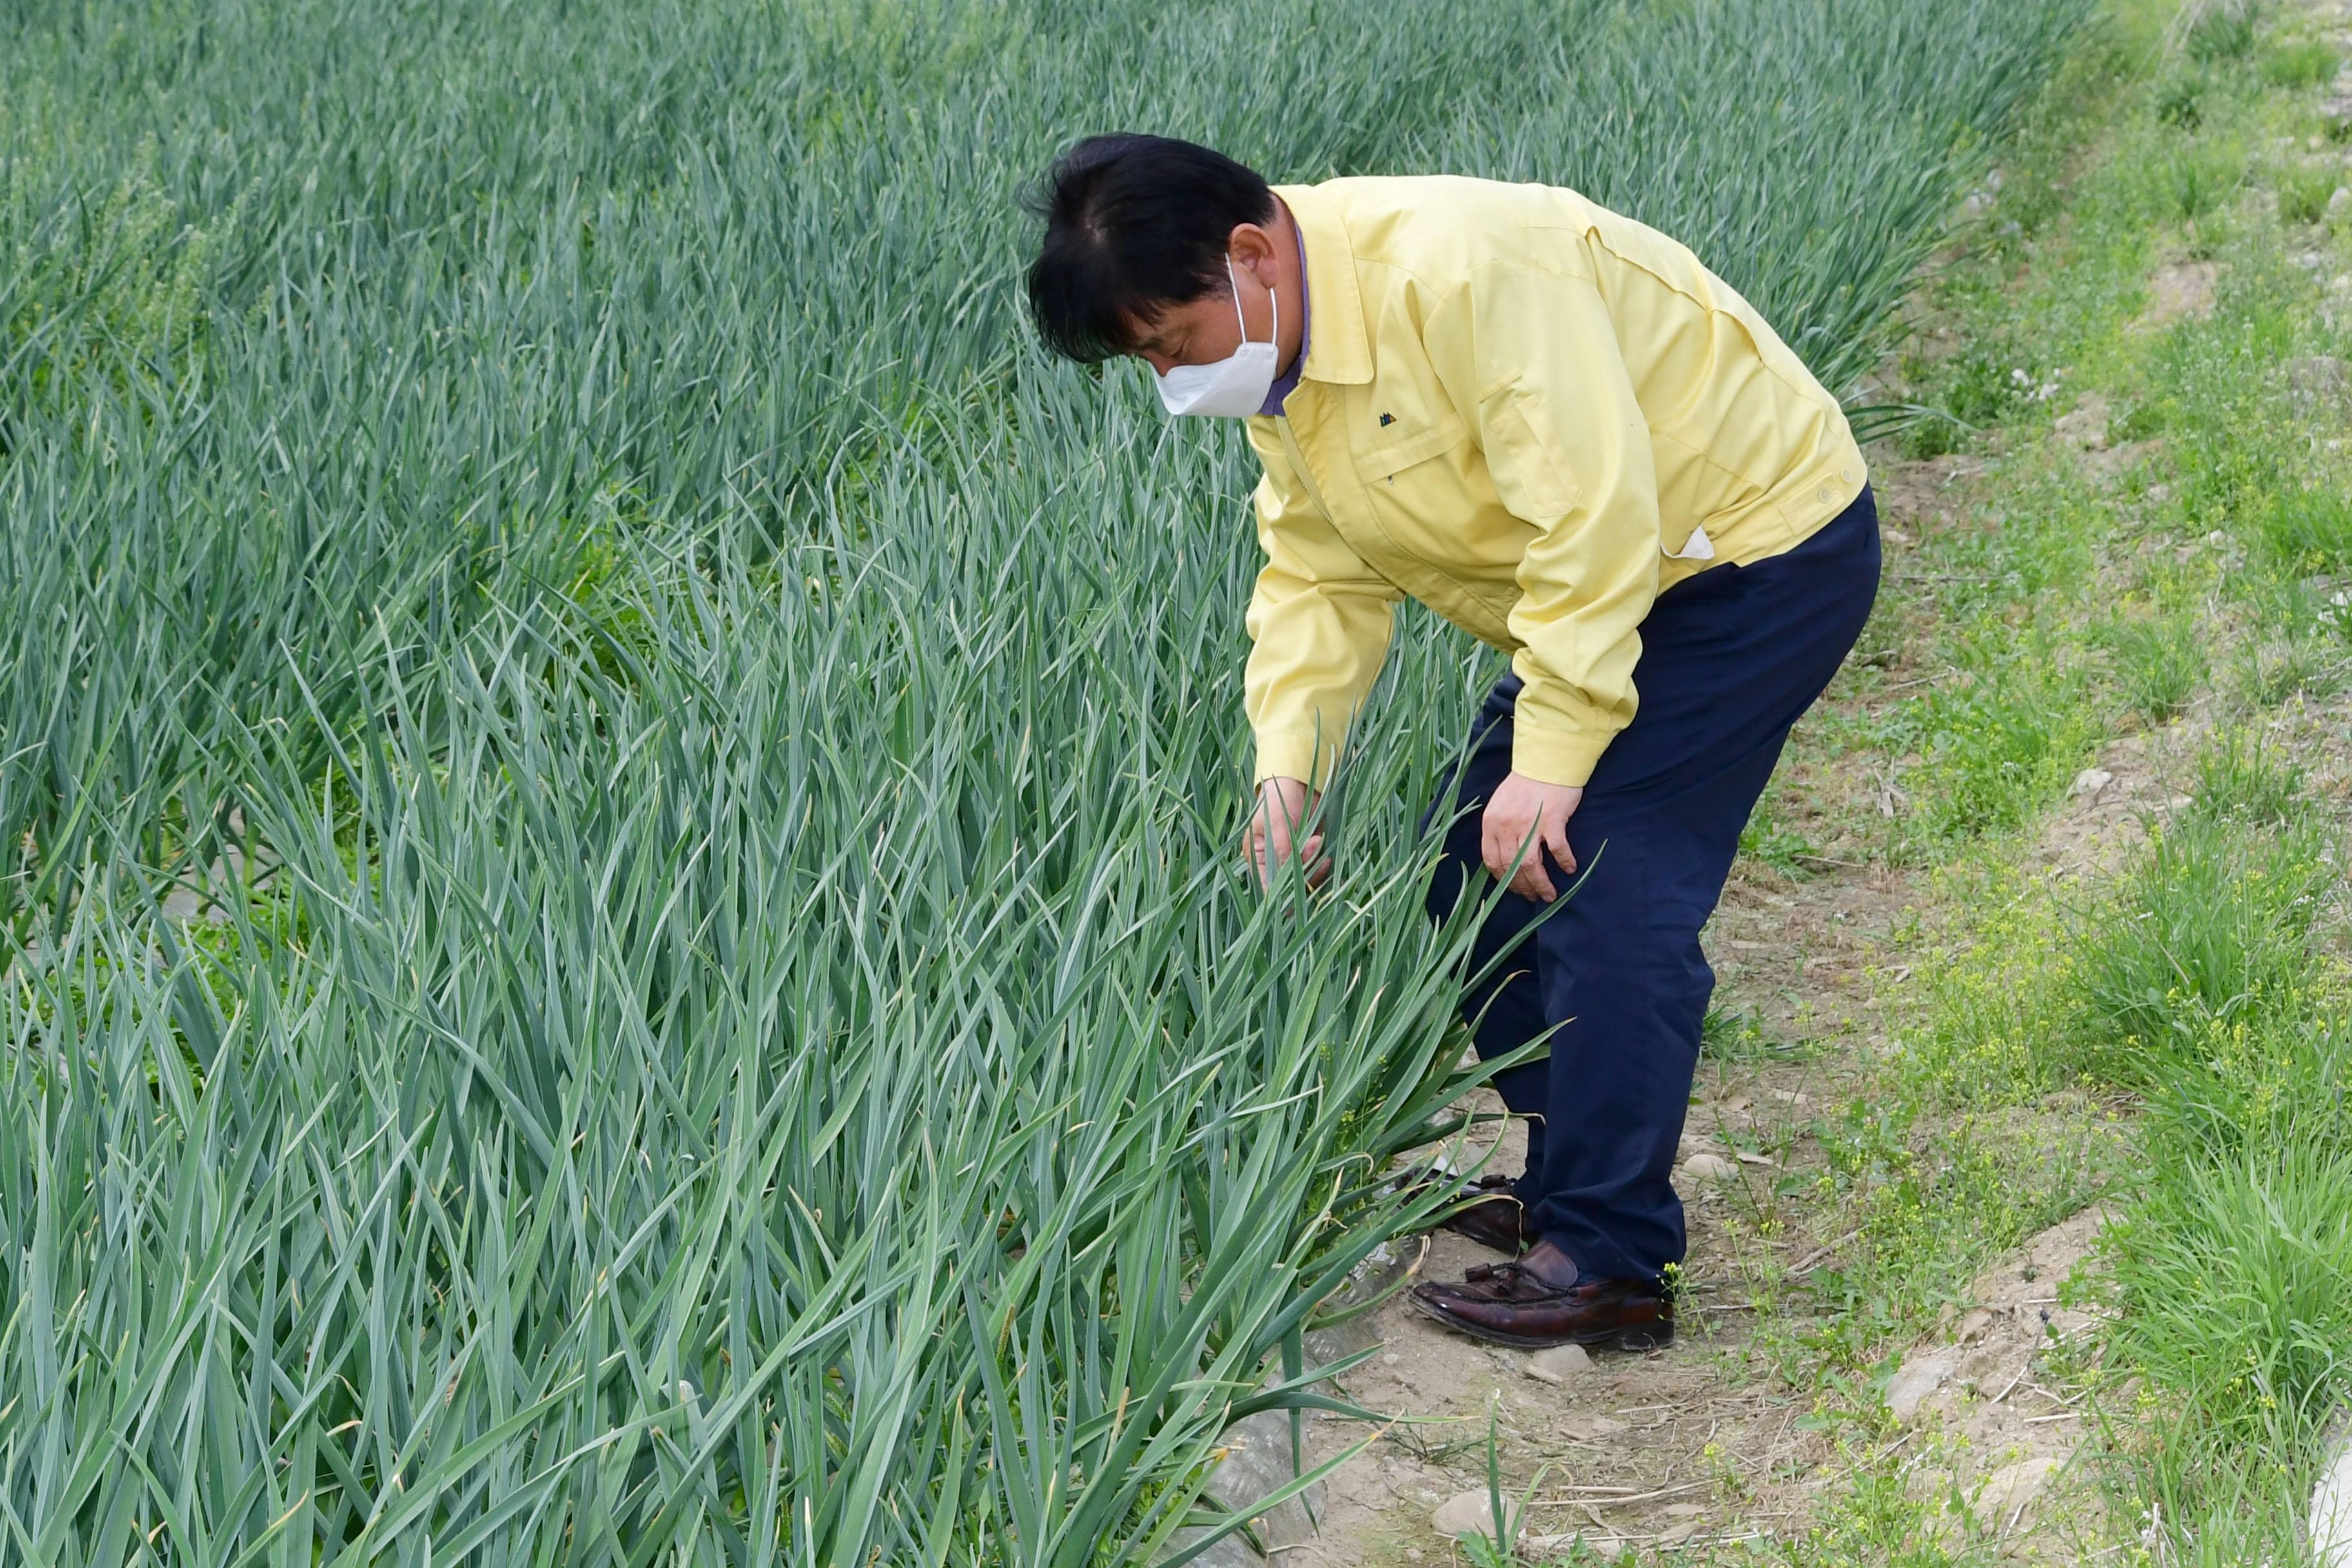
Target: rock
[1472,1514]
[2089,782]
[2331,1504]
[1558,1364]
[1972,1327]
[1709,1168]
[2010,1489]
[1914,1383]
[2340,204]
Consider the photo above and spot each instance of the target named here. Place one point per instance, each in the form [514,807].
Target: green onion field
[620,904]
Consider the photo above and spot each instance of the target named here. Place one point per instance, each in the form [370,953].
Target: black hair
[1133,225]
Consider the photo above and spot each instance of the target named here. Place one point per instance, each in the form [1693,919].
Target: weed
[2196,180]
[2304,63]
[2213,925]
[2268,669]
[2159,663]
[1782,849]
[2221,30]
[2304,193]
[2243,777]
[2306,530]
[1998,744]
[2180,103]
[2234,1281]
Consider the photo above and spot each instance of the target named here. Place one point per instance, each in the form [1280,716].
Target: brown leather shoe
[1505,1304]
[1498,1221]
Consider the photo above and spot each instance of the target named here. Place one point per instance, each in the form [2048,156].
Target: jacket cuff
[1292,754]
[1556,759]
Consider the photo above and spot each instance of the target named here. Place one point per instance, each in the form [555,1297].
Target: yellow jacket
[1533,415]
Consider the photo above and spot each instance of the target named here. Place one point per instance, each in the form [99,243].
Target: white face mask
[1235,387]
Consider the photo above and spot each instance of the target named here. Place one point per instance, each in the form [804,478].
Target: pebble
[2090,781]
[1709,1168]
[1473,1513]
[1558,1364]
[1912,1385]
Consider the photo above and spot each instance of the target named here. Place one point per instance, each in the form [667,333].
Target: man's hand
[1280,816]
[1524,809]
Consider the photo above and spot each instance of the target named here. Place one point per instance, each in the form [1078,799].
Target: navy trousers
[1729,659]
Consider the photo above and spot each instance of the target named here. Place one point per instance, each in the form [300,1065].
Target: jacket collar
[1338,350]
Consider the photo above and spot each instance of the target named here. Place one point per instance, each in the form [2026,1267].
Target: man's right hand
[1279,817]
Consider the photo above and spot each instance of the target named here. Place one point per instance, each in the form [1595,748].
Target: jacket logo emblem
[1388,419]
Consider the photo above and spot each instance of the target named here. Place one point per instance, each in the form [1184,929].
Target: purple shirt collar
[1287,382]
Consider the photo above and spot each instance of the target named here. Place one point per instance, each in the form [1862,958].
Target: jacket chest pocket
[1380,463]
[1423,491]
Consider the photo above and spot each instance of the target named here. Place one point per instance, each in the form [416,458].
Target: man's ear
[1253,247]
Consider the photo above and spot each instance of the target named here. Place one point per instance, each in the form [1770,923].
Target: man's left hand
[1523,809]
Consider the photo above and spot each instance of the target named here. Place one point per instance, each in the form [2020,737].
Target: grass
[2163,1023]
[744,1040]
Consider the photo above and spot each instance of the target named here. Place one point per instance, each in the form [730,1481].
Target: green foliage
[2185,1019]
[1969,389]
[2297,660]
[2221,29]
[2304,62]
[2159,660]
[2181,102]
[2000,741]
[2236,1274]
[2215,926]
[752,1045]
[2305,530]
[2243,777]
[2196,180]
[1766,839]
[2304,193]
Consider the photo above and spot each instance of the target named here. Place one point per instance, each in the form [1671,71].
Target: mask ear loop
[1242,321]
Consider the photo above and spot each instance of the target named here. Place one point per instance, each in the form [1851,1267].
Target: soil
[2180,289]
